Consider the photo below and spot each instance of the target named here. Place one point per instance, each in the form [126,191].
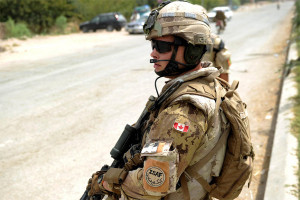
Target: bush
[61,24]
[297,14]
[236,3]
[17,30]
[40,15]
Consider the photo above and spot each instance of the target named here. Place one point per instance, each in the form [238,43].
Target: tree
[209,4]
[40,15]
[90,8]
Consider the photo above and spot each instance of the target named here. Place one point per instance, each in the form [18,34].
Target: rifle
[133,134]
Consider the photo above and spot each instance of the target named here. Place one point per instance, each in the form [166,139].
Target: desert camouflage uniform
[218,54]
[194,113]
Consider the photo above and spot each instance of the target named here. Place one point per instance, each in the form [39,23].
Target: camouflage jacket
[178,138]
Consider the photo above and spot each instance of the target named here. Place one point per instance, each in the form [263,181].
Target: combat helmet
[190,26]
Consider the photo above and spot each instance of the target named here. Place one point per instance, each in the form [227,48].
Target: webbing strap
[234,85]
[251,165]
[232,88]
[218,102]
[200,179]
[205,184]
[185,189]
[212,76]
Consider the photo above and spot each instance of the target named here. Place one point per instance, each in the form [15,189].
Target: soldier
[219,56]
[185,127]
[220,15]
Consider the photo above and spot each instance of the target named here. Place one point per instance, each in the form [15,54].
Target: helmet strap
[172,68]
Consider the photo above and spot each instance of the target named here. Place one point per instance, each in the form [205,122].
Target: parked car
[108,21]
[138,11]
[136,26]
[227,11]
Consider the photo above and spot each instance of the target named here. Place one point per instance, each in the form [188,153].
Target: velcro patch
[172,14]
[156,147]
[190,15]
[156,175]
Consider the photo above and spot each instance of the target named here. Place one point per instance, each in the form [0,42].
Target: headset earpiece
[193,54]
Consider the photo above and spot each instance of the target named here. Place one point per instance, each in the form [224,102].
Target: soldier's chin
[158,68]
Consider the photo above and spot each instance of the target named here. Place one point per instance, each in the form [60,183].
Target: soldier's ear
[194,53]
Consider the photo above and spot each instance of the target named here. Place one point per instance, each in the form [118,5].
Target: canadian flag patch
[181,127]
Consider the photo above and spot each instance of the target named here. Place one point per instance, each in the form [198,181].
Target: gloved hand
[95,185]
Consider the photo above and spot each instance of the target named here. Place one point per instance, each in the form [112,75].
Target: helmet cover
[181,19]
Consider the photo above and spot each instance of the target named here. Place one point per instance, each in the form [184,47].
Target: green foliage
[209,4]
[296,121]
[90,8]
[18,30]
[40,15]
[236,2]
[61,24]
[297,14]
[245,1]
[151,3]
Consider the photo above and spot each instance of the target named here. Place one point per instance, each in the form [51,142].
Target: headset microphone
[155,61]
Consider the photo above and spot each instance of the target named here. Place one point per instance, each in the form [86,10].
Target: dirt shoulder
[42,47]
[265,83]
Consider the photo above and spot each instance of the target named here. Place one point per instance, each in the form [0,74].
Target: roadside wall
[2,31]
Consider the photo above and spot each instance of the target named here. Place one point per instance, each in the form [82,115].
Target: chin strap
[172,68]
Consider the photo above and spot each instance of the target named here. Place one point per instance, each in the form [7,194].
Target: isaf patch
[156,175]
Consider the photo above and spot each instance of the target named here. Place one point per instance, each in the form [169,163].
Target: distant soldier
[219,56]
[220,15]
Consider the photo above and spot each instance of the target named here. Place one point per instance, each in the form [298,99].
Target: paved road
[61,116]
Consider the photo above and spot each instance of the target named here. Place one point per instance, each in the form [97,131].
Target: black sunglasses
[161,46]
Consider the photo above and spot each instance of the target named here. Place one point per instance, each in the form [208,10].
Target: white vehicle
[136,26]
[227,11]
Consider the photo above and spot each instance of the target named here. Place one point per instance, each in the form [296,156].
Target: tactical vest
[201,93]
[210,94]
[198,89]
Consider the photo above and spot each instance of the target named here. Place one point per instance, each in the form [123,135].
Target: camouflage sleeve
[223,59]
[182,124]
